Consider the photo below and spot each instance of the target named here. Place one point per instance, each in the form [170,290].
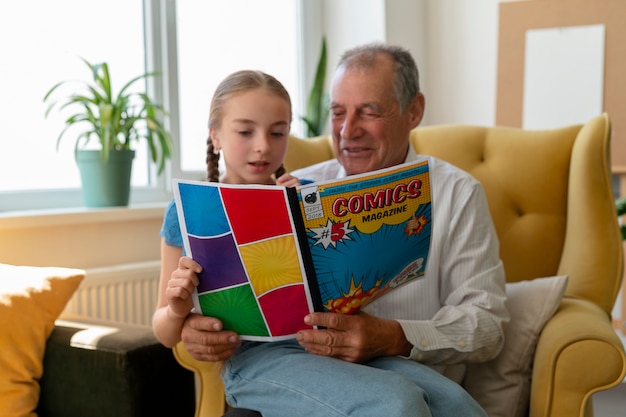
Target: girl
[249,121]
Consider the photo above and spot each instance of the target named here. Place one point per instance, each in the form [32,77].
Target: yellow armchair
[549,193]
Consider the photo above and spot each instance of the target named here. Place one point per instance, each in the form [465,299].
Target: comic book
[271,254]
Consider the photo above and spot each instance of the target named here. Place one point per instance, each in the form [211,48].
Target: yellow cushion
[31,299]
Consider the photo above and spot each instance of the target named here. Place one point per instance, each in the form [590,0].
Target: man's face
[369,130]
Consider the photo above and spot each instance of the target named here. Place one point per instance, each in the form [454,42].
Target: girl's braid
[212,161]
[280,171]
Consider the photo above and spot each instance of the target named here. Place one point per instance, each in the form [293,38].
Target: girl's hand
[287,180]
[180,287]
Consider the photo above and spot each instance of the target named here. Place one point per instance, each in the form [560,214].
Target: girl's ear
[215,139]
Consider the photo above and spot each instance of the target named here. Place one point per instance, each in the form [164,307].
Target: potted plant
[317,105]
[114,122]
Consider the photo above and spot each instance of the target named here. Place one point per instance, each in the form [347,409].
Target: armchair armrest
[578,354]
[96,368]
[211,401]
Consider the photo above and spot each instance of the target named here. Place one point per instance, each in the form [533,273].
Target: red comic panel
[284,309]
[256,214]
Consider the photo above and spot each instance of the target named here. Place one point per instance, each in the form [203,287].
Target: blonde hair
[238,82]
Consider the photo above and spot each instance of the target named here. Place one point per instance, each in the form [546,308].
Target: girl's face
[253,135]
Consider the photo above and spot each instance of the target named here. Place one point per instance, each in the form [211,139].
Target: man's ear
[416,110]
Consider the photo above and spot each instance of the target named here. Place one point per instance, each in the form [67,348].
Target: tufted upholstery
[550,196]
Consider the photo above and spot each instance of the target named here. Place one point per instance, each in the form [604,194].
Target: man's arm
[468,326]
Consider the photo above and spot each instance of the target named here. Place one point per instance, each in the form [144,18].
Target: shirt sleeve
[170,229]
[468,326]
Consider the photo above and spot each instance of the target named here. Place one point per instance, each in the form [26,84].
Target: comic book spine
[307,259]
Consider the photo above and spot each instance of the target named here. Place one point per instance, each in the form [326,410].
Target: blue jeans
[281,379]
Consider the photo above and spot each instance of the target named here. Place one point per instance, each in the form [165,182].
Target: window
[215,38]
[193,43]
[40,47]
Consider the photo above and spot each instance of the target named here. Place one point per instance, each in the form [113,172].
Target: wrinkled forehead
[358,86]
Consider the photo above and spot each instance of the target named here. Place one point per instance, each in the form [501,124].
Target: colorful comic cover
[271,254]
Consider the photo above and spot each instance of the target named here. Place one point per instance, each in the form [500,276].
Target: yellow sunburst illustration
[272,263]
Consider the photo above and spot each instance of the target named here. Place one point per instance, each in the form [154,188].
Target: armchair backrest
[549,194]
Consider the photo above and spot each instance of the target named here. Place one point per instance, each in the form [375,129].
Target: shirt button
[462,343]
[424,343]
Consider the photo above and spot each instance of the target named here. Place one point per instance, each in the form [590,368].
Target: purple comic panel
[221,264]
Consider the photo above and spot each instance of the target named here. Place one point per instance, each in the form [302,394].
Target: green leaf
[620,206]
[317,110]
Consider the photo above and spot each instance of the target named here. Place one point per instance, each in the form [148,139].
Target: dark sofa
[102,369]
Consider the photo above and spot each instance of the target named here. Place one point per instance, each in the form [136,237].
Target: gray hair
[406,83]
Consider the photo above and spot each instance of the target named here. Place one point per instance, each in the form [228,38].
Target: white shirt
[456,312]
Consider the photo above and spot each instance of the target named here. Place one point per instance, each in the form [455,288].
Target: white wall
[462,61]
[352,22]
[454,42]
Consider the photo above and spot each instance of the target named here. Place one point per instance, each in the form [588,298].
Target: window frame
[161,56]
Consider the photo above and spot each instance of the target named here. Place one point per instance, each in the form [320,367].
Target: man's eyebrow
[371,106]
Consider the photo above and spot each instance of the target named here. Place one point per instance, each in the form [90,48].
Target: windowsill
[79,215]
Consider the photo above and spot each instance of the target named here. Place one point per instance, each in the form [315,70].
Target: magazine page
[367,234]
[243,236]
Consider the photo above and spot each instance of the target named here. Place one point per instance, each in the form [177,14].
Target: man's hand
[356,338]
[205,340]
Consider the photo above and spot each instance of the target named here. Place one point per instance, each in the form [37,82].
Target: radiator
[126,293]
